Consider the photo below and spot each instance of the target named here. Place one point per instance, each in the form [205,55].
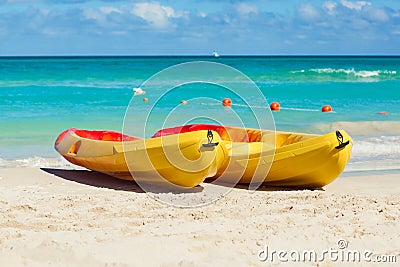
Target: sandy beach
[59,217]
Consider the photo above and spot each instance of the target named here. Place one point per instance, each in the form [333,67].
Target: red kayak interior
[98,135]
[225,132]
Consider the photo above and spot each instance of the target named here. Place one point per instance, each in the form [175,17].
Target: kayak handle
[211,144]
[342,144]
[210,138]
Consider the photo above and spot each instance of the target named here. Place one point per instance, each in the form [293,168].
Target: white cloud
[287,42]
[330,7]
[49,32]
[202,14]
[396,32]
[157,15]
[245,9]
[119,32]
[355,5]
[91,13]
[378,15]
[301,36]
[359,24]
[110,9]
[308,12]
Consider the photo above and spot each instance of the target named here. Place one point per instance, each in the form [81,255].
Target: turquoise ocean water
[42,96]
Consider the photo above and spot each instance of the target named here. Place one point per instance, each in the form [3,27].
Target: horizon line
[194,55]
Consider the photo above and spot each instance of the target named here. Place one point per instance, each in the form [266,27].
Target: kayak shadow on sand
[262,187]
[102,180]
[95,179]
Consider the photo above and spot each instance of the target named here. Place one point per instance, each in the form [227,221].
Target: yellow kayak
[278,158]
[185,160]
[187,155]
[299,160]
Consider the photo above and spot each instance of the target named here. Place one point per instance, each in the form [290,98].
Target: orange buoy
[383,113]
[227,102]
[183,102]
[326,108]
[275,106]
[145,99]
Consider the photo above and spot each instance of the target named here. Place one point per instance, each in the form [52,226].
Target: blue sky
[134,27]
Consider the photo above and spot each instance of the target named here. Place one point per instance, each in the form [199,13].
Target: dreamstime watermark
[339,254]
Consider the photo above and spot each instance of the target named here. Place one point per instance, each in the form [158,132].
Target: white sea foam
[375,153]
[366,73]
[373,165]
[37,162]
[380,147]
[360,128]
[360,73]
[3,163]
[351,72]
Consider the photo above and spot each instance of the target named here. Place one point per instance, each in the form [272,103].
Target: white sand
[81,218]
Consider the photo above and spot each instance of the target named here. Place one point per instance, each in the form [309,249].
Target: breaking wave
[349,74]
[360,73]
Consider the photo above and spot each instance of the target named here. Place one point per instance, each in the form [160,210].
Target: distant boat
[215,53]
